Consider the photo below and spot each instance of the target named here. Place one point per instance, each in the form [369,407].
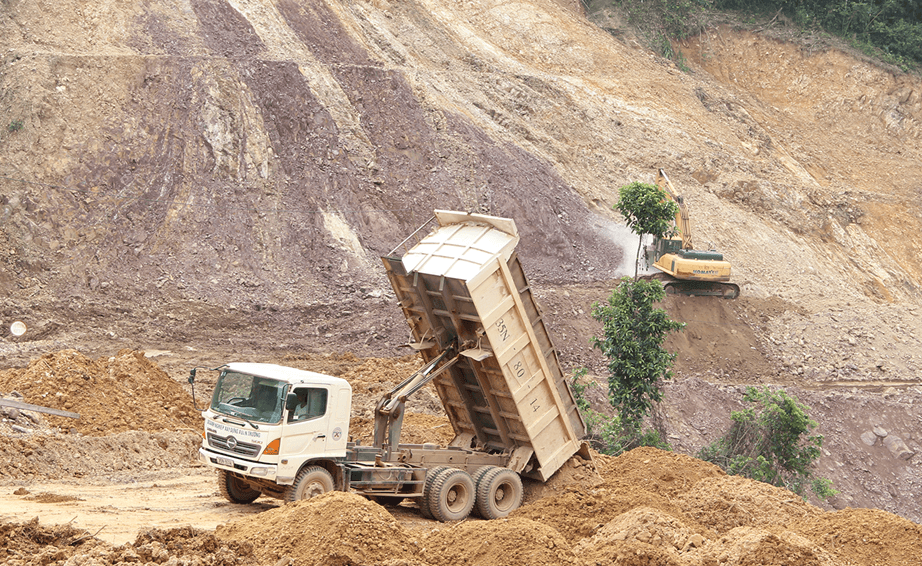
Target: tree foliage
[647,209]
[605,433]
[893,26]
[771,442]
[633,332]
[888,29]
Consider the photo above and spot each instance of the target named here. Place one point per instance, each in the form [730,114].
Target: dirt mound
[747,546]
[727,502]
[634,553]
[575,473]
[116,394]
[333,529]
[504,542]
[641,535]
[865,537]
[656,471]
[32,457]
[579,513]
[188,545]
[31,544]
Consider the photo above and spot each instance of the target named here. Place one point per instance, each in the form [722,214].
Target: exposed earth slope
[210,179]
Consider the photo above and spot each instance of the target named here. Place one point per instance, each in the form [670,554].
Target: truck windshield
[254,398]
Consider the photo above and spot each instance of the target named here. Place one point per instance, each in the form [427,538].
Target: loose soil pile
[31,544]
[336,528]
[125,392]
[133,417]
[864,537]
[504,542]
[55,456]
[643,507]
[727,502]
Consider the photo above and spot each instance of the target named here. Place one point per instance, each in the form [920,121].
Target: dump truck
[283,432]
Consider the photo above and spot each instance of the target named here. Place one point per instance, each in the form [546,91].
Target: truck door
[307,424]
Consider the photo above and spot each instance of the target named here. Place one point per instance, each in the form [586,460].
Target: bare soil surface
[187,184]
[140,495]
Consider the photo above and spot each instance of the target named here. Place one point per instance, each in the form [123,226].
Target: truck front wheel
[235,489]
[311,481]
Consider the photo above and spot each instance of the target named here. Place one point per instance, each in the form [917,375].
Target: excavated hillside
[208,180]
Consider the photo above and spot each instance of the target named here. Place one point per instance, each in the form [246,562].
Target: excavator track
[703,289]
[675,286]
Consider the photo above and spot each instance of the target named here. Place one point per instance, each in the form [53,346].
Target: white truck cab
[267,420]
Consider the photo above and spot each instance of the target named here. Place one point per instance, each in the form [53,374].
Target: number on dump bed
[503,330]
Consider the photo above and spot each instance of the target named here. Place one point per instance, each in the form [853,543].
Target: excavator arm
[682,221]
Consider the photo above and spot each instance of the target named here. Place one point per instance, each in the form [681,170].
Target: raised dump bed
[462,287]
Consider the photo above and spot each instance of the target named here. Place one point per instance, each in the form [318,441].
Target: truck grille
[235,446]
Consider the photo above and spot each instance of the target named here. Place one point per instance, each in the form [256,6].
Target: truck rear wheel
[452,495]
[476,476]
[235,489]
[310,482]
[427,487]
[499,492]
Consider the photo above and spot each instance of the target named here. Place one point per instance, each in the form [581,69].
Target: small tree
[633,332]
[606,433]
[771,442]
[647,210]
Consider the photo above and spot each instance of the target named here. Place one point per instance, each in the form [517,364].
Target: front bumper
[231,464]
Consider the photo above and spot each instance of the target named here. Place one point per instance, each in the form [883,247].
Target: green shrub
[658,22]
[771,442]
[890,30]
[606,434]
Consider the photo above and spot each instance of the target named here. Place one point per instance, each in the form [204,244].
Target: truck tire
[235,489]
[427,487]
[310,482]
[477,476]
[452,495]
[499,492]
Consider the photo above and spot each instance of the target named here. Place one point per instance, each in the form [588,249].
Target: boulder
[868,438]
[897,447]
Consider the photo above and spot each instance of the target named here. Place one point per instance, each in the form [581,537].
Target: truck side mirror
[291,401]
[192,383]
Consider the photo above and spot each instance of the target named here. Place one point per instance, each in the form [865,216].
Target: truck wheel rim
[502,502]
[456,498]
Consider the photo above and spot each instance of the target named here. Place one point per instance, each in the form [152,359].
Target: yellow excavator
[684,270]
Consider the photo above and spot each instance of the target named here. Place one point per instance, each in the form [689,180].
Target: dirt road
[116,511]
